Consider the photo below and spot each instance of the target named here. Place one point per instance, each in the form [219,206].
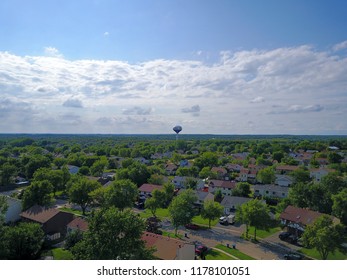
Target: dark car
[200,249]
[284,235]
[192,226]
[293,256]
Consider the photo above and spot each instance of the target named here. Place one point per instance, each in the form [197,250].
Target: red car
[200,249]
[192,226]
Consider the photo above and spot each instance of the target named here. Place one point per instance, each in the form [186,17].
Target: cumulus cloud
[224,89]
[53,52]
[137,111]
[195,110]
[258,99]
[106,33]
[295,109]
[74,103]
[340,46]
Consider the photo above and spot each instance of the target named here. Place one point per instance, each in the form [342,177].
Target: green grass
[235,252]
[216,255]
[200,221]
[61,254]
[263,233]
[161,213]
[313,253]
[172,235]
[69,210]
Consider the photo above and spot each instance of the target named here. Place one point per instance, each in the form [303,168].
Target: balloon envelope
[177,128]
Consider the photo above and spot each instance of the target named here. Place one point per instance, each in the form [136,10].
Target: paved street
[264,250]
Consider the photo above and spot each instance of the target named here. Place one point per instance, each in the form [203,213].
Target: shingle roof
[78,223]
[299,215]
[149,188]
[39,214]
[235,201]
[222,184]
[167,247]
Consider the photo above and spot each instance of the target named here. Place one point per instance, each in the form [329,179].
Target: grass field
[313,253]
[263,233]
[199,220]
[61,254]
[217,255]
[234,252]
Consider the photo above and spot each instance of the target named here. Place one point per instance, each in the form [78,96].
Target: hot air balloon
[177,129]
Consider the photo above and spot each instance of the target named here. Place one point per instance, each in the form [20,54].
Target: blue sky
[226,67]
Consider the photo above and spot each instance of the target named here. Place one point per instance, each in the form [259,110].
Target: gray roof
[234,201]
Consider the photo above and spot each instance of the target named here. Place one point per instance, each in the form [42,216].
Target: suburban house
[203,197]
[222,173]
[77,223]
[14,209]
[52,220]
[318,173]
[286,169]
[73,169]
[185,163]
[230,203]
[169,248]
[284,180]
[296,219]
[226,187]
[180,182]
[170,168]
[232,167]
[247,175]
[142,160]
[147,189]
[272,191]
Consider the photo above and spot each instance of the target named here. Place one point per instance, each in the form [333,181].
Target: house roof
[272,188]
[39,214]
[170,167]
[167,248]
[203,195]
[78,223]
[150,187]
[287,167]
[222,184]
[299,215]
[229,201]
[221,170]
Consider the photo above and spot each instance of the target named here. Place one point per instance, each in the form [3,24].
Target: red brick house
[147,189]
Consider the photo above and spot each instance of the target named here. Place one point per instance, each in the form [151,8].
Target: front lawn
[263,233]
[70,210]
[313,253]
[235,252]
[61,254]
[162,213]
[200,221]
[217,255]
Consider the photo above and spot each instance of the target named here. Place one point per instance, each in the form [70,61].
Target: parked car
[226,220]
[200,249]
[192,226]
[284,235]
[293,256]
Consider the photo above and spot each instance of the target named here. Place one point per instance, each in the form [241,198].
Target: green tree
[80,192]
[211,210]
[24,241]
[113,235]
[121,194]
[152,204]
[98,167]
[301,175]
[191,183]
[55,177]
[205,172]
[169,190]
[218,196]
[242,189]
[334,158]
[181,209]
[35,162]
[324,236]
[39,192]
[253,213]
[7,172]
[340,206]
[266,175]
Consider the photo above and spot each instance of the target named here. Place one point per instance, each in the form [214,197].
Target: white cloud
[53,52]
[74,103]
[137,111]
[195,110]
[111,95]
[258,99]
[106,33]
[340,46]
